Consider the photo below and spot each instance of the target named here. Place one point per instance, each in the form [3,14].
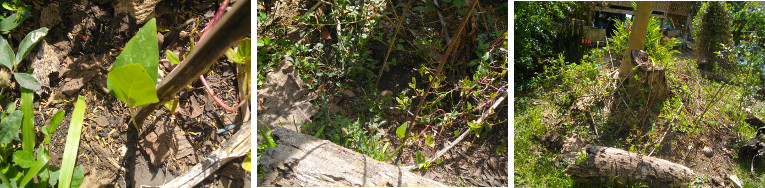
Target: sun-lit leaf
[28,43]
[133,85]
[172,58]
[24,158]
[42,160]
[13,21]
[401,130]
[246,164]
[27,122]
[142,49]
[72,145]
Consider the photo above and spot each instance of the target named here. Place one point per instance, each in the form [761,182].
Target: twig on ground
[390,46]
[463,135]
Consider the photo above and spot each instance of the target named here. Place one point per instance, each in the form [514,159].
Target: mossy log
[617,167]
[301,160]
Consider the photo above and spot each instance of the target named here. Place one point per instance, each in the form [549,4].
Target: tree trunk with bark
[617,167]
[637,35]
[300,160]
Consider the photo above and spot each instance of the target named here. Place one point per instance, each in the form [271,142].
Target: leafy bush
[712,27]
[538,35]
[656,45]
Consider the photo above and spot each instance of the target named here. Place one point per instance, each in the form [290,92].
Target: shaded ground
[84,40]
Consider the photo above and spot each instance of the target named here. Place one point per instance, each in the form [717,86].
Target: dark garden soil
[84,39]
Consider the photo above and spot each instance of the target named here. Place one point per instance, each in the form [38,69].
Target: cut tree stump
[651,82]
[300,160]
[617,167]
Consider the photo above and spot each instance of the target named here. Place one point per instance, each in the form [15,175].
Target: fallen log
[300,160]
[617,167]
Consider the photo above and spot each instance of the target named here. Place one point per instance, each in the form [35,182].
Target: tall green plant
[712,27]
[656,45]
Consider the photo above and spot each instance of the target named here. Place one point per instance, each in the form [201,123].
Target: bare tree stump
[300,160]
[651,82]
[617,167]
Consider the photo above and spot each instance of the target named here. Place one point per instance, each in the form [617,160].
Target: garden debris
[142,10]
[753,120]
[101,121]
[162,143]
[46,62]
[736,182]
[552,141]
[754,149]
[50,16]
[77,72]
[348,93]
[196,110]
[285,103]
[236,146]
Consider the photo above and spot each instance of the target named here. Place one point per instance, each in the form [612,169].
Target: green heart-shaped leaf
[133,85]
[141,49]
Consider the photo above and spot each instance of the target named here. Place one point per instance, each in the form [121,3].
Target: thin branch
[390,46]
[463,135]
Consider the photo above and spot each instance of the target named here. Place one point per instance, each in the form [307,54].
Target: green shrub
[712,27]
[657,47]
[539,36]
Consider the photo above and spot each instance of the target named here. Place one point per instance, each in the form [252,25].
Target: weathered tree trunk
[617,167]
[651,83]
[637,35]
[302,160]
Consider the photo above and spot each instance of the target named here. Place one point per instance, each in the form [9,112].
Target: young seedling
[133,78]
[11,60]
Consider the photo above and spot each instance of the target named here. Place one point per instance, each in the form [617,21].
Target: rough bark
[300,160]
[652,80]
[617,167]
[637,36]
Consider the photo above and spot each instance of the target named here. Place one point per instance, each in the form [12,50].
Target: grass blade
[72,143]
[27,123]
[42,160]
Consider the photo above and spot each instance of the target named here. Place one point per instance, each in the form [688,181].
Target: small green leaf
[78,176]
[51,174]
[13,21]
[24,158]
[401,130]
[246,164]
[6,53]
[52,126]
[54,121]
[27,81]
[172,58]
[42,161]
[171,105]
[133,85]
[28,43]
[244,49]
[9,127]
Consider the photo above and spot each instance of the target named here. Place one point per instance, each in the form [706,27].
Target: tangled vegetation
[579,100]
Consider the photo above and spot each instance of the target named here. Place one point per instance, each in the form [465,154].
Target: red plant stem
[209,91]
[218,15]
